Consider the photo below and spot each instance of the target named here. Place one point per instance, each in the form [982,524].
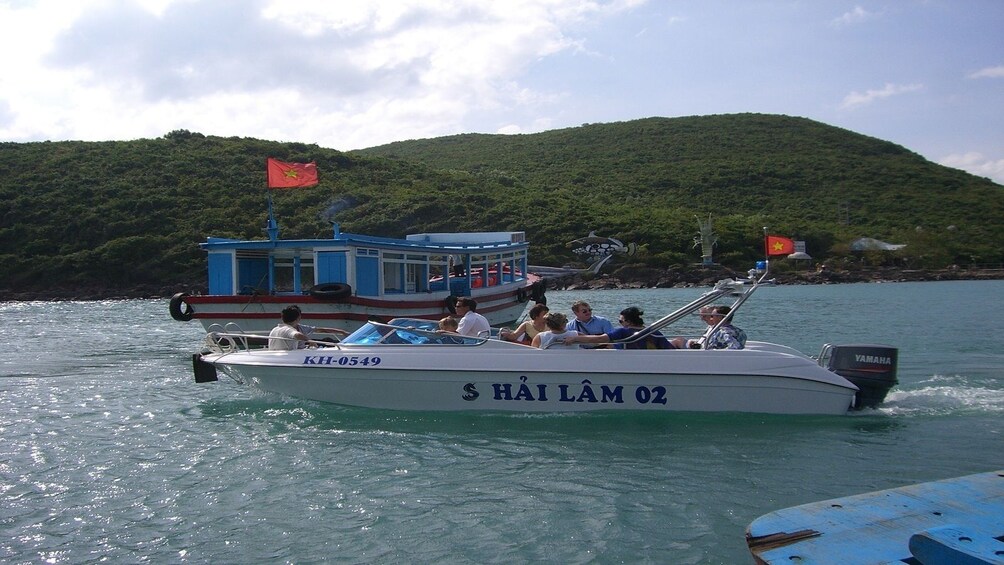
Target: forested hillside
[646,180]
[126,215]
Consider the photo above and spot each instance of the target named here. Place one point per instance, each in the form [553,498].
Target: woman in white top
[556,333]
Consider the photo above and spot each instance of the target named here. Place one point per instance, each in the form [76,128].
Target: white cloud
[989,72]
[856,99]
[977,164]
[343,75]
[857,15]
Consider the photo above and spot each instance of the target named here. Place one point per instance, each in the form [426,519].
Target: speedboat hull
[499,376]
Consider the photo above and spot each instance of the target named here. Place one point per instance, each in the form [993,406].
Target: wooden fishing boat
[346,280]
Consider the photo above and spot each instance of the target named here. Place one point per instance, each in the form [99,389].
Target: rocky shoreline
[628,277]
[624,278]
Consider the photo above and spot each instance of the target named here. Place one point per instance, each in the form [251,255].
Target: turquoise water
[109,451]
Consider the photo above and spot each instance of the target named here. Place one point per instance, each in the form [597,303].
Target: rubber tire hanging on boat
[176,312]
[451,304]
[330,291]
[522,295]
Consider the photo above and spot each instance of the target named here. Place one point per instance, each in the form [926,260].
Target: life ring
[182,315]
[330,291]
[451,304]
[522,295]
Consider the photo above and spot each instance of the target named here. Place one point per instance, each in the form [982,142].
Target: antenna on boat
[272,228]
[766,261]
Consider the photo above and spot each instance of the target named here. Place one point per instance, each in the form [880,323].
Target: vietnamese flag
[291,175]
[777,245]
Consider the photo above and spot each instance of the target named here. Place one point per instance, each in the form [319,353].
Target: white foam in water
[941,398]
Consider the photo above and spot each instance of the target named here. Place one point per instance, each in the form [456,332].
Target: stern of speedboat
[870,367]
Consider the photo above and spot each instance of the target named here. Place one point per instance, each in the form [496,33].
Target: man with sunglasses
[587,324]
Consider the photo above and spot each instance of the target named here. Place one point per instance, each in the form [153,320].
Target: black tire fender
[177,312]
[451,304]
[330,291]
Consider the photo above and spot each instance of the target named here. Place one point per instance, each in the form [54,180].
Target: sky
[924,74]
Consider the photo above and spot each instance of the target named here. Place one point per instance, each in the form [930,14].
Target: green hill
[646,180]
[117,216]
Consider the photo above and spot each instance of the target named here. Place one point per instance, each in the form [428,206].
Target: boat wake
[939,398]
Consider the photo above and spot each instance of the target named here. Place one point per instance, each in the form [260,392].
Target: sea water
[110,452]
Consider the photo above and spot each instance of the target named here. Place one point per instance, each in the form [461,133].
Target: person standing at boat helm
[471,323]
[587,324]
[291,334]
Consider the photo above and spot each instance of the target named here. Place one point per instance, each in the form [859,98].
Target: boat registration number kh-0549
[601,394]
[345,360]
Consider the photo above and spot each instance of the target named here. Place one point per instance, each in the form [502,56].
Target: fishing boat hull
[259,313]
[499,376]
[349,279]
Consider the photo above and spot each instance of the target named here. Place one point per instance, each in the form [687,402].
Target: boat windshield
[402,331]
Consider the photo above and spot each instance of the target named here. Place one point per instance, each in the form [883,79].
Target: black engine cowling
[872,368]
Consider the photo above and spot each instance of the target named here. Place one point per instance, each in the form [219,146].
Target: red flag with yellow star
[291,175]
[777,245]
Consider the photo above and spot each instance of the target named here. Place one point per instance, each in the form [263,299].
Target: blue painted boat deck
[954,521]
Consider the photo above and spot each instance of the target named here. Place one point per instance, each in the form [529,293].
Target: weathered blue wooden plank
[876,527]
[956,545]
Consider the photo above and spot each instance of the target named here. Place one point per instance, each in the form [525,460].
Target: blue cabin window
[252,275]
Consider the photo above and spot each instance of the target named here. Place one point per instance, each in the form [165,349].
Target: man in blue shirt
[587,324]
[631,323]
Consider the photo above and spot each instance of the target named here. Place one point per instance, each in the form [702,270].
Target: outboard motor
[872,368]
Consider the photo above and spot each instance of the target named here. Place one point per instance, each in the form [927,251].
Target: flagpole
[272,228]
[766,256]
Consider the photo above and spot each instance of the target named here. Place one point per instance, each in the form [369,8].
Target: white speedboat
[407,365]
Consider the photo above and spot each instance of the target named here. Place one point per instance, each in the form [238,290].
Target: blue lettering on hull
[584,392]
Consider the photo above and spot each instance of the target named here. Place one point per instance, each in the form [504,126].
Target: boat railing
[722,288]
[228,341]
[741,289]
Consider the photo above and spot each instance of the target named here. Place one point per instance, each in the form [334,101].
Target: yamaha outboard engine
[872,368]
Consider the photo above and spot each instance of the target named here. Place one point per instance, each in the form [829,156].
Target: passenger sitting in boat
[587,324]
[529,329]
[726,336]
[471,323]
[631,323]
[447,326]
[291,334]
[557,333]
[683,343]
